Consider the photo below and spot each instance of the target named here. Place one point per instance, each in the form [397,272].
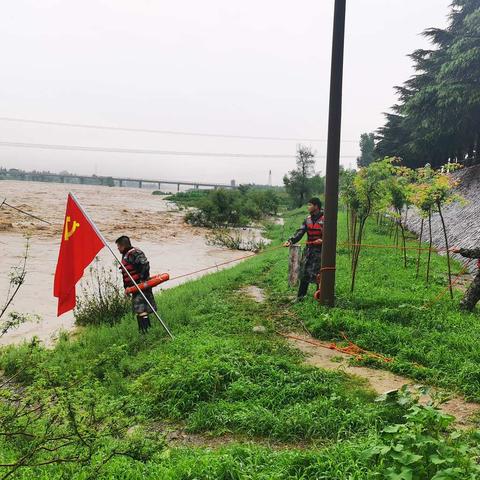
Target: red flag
[80,244]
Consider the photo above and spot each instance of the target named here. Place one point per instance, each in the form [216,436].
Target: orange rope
[392,247]
[226,263]
[281,246]
[352,349]
[326,269]
[435,300]
[450,285]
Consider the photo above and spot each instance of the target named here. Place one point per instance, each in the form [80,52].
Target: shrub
[235,240]
[423,446]
[233,208]
[102,300]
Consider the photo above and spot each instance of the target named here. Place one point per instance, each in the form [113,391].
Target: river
[153,224]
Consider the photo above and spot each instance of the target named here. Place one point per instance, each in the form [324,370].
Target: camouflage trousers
[139,305]
[472,296]
[311,263]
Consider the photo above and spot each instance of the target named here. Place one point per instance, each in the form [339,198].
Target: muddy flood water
[153,224]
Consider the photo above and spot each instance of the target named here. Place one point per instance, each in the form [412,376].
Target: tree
[398,191]
[348,196]
[432,192]
[365,193]
[367,148]
[421,197]
[297,182]
[317,184]
[438,114]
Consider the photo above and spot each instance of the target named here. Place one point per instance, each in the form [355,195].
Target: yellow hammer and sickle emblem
[69,233]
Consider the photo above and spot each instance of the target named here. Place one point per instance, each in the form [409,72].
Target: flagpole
[122,266]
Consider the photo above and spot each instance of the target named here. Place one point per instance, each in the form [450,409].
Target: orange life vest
[127,282]
[314,229]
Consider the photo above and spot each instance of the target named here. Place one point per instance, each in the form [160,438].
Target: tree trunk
[404,241]
[430,244]
[357,253]
[353,236]
[348,230]
[420,247]
[391,226]
[447,247]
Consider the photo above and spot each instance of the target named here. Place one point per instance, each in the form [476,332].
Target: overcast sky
[249,67]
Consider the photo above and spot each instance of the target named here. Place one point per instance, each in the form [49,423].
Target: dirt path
[381,381]
[178,436]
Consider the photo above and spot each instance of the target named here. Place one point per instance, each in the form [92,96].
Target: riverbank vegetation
[228,208]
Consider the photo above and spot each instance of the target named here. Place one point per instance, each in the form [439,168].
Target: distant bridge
[110,181]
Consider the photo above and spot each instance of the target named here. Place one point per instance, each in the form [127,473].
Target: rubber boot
[302,289]
[147,323]
[139,322]
[143,323]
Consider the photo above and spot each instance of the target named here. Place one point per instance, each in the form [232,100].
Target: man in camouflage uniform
[472,296]
[312,254]
[135,261]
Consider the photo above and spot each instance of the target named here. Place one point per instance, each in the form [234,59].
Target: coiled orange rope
[351,349]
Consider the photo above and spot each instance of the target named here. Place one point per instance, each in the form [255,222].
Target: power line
[80,148]
[164,132]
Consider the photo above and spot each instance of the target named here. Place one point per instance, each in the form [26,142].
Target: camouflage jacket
[470,252]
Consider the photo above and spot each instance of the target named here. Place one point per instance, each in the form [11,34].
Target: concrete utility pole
[327,288]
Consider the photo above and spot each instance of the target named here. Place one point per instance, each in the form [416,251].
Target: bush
[235,240]
[233,208]
[102,300]
[423,446]
[190,198]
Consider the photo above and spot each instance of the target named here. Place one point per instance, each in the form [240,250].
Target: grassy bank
[272,416]
[393,313]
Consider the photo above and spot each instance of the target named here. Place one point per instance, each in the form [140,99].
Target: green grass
[236,462]
[218,377]
[391,313]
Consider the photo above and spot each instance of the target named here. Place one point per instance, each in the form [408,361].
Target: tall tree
[298,182]
[367,149]
[437,117]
